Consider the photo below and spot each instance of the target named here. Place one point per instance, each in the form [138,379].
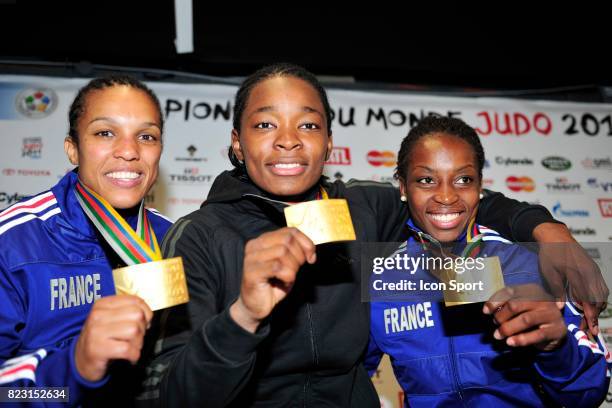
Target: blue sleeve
[577,374]
[52,366]
[520,266]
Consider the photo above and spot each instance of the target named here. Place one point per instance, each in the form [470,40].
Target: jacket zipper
[313,345]
[454,367]
[315,353]
[306,388]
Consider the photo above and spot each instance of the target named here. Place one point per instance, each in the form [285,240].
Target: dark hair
[438,124]
[267,72]
[78,105]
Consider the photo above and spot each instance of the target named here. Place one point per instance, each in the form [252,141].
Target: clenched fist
[271,263]
[114,330]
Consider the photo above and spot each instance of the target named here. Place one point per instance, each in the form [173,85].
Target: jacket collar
[231,186]
[74,218]
[419,233]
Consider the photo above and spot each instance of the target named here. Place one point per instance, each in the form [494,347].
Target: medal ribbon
[321,195]
[133,247]
[474,239]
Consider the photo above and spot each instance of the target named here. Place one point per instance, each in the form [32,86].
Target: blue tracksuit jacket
[447,356]
[52,269]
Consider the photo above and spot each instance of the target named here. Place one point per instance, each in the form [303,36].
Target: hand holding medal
[322,220]
[160,283]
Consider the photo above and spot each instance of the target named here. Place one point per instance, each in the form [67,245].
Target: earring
[481,196]
[403,198]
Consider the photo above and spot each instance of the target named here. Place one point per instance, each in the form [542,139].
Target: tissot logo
[523,183]
[556,163]
[339,156]
[384,158]
[562,185]
[605,207]
[511,161]
[191,175]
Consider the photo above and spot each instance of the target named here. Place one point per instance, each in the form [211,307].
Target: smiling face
[119,144]
[283,138]
[442,185]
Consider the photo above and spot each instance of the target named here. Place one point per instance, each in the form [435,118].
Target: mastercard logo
[385,158]
[520,183]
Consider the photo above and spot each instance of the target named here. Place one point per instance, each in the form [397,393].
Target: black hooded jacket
[308,352]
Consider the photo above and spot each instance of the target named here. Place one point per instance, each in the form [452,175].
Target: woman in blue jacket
[520,349]
[61,324]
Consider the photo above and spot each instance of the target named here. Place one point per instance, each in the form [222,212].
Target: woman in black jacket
[272,320]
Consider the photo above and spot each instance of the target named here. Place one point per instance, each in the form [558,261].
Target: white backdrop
[553,153]
[556,154]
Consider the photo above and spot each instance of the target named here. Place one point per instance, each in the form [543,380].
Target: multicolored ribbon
[322,194]
[474,240]
[133,247]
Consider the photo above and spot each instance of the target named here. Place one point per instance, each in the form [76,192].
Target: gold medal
[161,283]
[473,285]
[322,220]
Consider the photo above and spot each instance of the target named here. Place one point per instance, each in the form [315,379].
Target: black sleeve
[202,356]
[513,219]
[388,211]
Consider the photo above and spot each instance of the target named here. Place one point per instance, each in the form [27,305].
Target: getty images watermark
[415,272]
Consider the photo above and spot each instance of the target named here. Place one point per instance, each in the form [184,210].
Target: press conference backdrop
[557,154]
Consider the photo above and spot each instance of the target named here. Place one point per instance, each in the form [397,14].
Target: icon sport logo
[385,158]
[520,183]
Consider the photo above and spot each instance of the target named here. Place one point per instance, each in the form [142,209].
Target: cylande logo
[510,161]
[339,156]
[9,198]
[520,183]
[384,158]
